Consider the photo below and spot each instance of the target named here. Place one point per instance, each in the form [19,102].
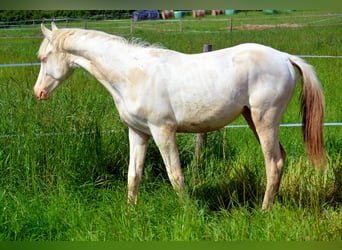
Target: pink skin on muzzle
[41,94]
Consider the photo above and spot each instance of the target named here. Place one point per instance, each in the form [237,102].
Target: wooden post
[201,138]
[131,28]
[207,47]
[231,24]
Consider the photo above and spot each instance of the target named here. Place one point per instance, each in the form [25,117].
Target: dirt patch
[268,26]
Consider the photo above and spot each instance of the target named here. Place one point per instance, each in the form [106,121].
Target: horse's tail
[312,110]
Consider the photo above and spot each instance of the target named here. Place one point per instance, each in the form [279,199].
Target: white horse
[160,92]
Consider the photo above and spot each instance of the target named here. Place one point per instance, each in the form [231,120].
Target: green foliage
[29,15]
[63,162]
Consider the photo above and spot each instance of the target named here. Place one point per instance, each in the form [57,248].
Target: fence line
[127,18]
[315,56]
[11,65]
[327,124]
[37,64]
[9,136]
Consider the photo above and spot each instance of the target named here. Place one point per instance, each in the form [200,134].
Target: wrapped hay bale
[198,13]
[166,14]
[217,12]
[145,15]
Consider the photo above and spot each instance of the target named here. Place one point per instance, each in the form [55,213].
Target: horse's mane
[60,35]
[138,42]
[42,48]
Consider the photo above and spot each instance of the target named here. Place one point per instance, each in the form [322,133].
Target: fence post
[231,24]
[131,28]
[207,47]
[201,138]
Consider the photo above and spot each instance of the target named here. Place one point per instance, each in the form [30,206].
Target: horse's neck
[100,57]
[94,49]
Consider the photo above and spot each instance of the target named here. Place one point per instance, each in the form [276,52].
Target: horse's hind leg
[266,127]
[248,117]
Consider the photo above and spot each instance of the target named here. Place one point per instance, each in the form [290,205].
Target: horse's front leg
[165,139]
[138,143]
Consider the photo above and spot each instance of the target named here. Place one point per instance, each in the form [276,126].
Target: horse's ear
[46,32]
[54,26]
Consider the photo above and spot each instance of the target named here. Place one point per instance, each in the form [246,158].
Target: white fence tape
[314,56]
[37,63]
[9,136]
[286,125]
[11,65]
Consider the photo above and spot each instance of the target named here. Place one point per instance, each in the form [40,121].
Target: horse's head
[55,65]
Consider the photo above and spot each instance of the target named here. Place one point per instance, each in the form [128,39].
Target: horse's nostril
[43,95]
[40,94]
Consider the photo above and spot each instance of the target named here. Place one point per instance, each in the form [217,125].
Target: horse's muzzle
[41,94]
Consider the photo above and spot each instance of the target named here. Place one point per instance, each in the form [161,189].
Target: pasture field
[64,161]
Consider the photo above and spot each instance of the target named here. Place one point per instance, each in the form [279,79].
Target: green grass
[63,177]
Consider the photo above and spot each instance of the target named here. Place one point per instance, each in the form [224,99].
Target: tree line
[29,15]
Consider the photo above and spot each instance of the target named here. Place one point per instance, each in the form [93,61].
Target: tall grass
[64,162]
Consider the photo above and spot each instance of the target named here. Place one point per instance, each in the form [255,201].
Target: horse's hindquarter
[271,77]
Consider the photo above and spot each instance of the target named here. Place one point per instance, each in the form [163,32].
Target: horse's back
[247,75]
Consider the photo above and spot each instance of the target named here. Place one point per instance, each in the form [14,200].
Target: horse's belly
[207,118]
